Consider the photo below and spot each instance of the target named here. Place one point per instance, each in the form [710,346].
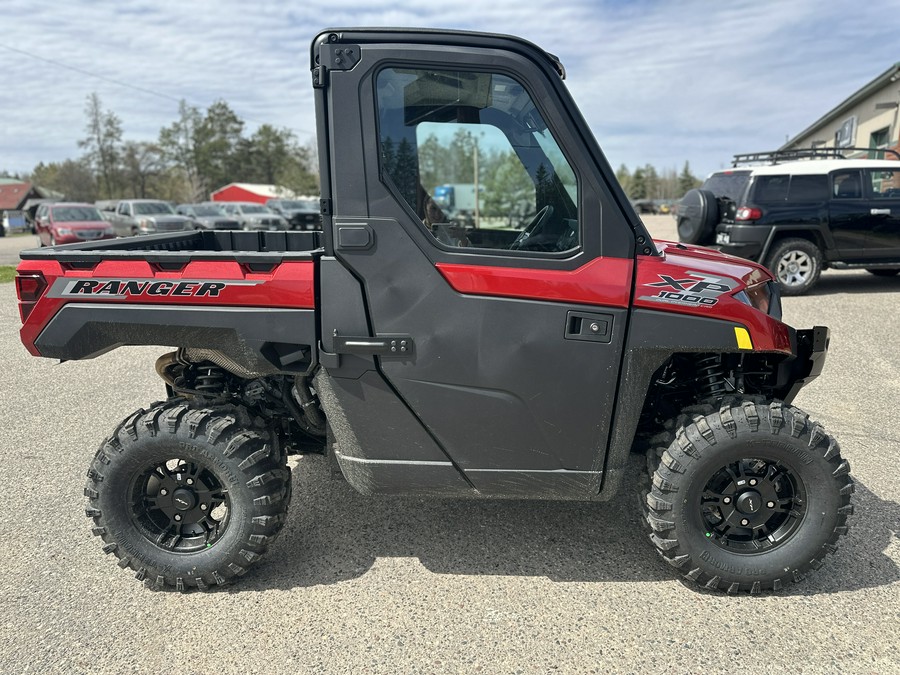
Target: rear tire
[796,265]
[185,497]
[748,498]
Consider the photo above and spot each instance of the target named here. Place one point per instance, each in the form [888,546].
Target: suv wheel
[698,215]
[796,264]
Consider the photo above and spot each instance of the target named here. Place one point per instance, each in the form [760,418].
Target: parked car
[800,217]
[70,222]
[302,214]
[13,223]
[208,217]
[147,216]
[645,206]
[254,216]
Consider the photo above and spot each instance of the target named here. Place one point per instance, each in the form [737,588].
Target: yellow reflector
[743,338]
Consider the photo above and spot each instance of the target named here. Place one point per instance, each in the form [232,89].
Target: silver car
[253,216]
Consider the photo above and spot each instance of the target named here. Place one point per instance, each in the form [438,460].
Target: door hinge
[319,77]
[334,57]
[325,207]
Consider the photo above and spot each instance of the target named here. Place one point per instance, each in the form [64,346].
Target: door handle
[880,212]
[589,326]
[397,346]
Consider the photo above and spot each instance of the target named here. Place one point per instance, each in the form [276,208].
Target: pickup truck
[147,216]
[449,362]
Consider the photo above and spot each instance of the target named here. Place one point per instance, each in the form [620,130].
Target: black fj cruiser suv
[799,213]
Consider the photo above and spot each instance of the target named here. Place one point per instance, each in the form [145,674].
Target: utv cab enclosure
[498,356]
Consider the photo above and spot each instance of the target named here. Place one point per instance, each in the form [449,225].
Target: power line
[119,83]
[89,73]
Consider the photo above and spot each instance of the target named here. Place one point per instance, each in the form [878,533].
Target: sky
[659,82]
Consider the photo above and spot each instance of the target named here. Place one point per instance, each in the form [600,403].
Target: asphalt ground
[378,585]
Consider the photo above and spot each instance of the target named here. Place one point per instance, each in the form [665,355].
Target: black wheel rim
[752,505]
[180,506]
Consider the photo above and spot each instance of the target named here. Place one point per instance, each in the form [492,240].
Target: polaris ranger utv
[434,358]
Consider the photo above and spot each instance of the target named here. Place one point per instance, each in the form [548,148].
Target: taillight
[30,286]
[746,213]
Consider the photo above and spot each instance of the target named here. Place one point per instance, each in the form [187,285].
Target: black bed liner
[264,248]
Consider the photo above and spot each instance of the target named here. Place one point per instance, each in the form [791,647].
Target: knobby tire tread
[254,454]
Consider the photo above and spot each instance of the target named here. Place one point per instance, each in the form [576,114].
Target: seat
[849,188]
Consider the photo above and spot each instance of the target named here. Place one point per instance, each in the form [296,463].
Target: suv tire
[698,215]
[796,265]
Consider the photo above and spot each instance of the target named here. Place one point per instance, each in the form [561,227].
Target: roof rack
[776,156]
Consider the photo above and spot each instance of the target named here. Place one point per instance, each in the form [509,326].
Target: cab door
[501,329]
[883,218]
[848,215]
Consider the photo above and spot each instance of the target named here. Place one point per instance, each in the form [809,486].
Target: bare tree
[102,143]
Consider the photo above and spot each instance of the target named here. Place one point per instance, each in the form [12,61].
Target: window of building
[878,141]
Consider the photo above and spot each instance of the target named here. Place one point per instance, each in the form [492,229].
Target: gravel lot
[359,584]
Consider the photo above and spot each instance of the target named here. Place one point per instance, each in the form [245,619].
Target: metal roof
[270,191]
[12,195]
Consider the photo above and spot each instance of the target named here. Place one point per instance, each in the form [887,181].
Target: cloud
[658,82]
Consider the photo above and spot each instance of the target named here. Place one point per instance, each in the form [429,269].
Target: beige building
[867,119]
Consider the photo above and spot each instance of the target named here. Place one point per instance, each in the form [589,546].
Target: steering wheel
[533,229]
[450,235]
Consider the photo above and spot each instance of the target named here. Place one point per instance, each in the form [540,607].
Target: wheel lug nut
[164,492]
[770,505]
[203,507]
[177,517]
[727,500]
[753,481]
[744,522]
[190,481]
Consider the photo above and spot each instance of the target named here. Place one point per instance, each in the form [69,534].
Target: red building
[250,192]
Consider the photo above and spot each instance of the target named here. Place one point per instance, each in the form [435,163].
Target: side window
[884,184]
[846,185]
[472,157]
[810,188]
[771,188]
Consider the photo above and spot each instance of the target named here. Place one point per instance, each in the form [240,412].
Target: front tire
[186,497]
[796,265]
[749,498]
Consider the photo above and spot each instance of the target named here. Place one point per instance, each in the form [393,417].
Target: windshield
[71,214]
[150,208]
[252,208]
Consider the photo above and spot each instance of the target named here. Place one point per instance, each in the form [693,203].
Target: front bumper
[810,347]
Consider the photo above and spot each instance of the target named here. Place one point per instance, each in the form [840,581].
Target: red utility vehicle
[448,359]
